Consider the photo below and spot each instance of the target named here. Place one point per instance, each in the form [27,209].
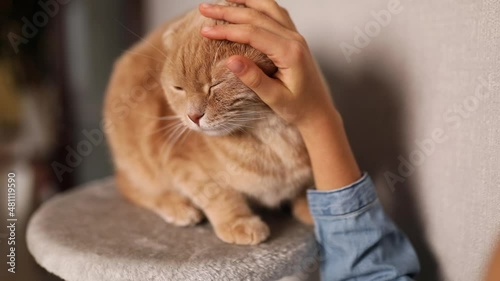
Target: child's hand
[297,92]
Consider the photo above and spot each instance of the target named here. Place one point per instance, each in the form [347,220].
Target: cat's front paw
[180,213]
[249,230]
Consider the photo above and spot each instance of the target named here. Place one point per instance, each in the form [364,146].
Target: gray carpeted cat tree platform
[92,233]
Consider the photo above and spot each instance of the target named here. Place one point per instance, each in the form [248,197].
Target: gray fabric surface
[93,234]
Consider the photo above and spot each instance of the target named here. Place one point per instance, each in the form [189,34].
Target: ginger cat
[189,139]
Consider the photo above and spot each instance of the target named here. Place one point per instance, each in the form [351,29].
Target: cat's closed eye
[213,86]
[178,88]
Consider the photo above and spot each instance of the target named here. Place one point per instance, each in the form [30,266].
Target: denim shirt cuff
[342,201]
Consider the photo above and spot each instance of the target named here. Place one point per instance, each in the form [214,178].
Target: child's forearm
[331,156]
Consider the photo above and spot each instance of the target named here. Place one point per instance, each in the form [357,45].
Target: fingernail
[206,28]
[235,66]
[206,5]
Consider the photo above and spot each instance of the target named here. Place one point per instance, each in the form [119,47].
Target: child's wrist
[320,121]
[331,157]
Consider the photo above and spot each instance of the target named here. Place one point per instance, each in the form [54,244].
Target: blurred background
[396,77]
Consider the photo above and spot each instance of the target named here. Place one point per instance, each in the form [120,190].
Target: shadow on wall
[375,115]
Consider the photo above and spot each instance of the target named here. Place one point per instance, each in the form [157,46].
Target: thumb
[267,88]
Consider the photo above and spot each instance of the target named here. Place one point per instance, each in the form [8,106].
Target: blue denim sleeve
[358,241]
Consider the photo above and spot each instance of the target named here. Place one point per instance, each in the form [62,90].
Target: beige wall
[430,75]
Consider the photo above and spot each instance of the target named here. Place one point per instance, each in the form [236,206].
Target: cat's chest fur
[268,163]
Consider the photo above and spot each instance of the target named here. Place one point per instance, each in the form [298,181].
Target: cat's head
[198,86]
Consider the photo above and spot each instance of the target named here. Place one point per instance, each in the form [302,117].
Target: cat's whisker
[174,130]
[245,119]
[167,134]
[160,152]
[168,143]
[177,135]
[173,117]
[168,117]
[185,135]
[169,126]
[256,114]
[248,113]
[226,129]
[217,52]
[237,124]
[175,126]
[242,129]
[239,127]
[141,38]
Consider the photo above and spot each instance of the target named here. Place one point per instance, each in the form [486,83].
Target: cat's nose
[195,117]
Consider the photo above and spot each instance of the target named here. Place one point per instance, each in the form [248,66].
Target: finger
[244,15]
[271,44]
[268,89]
[271,9]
